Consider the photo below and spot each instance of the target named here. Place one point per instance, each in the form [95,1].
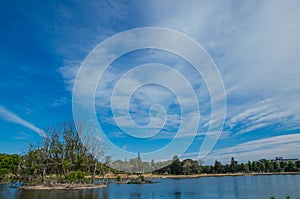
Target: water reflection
[210,187]
[67,194]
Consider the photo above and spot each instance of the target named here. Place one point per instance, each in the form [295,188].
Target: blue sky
[255,45]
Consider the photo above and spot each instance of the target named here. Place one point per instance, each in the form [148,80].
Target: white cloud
[255,45]
[68,72]
[287,146]
[257,109]
[11,117]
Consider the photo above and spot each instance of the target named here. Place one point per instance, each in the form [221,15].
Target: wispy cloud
[12,117]
[284,145]
[255,46]
[23,136]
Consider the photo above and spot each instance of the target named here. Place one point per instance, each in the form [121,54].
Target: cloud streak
[12,117]
[254,44]
[287,146]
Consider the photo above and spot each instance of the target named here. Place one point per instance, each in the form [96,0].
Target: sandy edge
[112,176]
[63,187]
[132,176]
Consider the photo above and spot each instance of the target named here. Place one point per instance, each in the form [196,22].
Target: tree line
[189,166]
[61,157]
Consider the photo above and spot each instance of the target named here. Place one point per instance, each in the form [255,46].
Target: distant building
[280,159]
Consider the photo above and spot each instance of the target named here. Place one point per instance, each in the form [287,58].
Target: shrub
[76,176]
[118,178]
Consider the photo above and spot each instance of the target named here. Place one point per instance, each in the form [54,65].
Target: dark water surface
[278,186]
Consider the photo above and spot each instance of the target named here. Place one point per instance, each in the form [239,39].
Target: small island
[63,186]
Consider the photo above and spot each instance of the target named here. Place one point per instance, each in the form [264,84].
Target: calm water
[209,187]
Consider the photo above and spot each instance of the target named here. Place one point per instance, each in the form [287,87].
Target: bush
[76,176]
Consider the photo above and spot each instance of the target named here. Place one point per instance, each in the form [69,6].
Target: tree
[244,168]
[283,166]
[290,167]
[226,168]
[218,168]
[255,166]
[92,152]
[233,166]
[276,166]
[176,166]
[9,165]
[269,166]
[190,166]
[262,166]
[250,166]
[62,156]
[298,165]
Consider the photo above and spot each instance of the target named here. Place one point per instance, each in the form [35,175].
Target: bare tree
[68,153]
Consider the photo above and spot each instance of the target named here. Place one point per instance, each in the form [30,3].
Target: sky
[253,44]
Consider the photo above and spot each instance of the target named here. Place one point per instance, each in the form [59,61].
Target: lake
[206,187]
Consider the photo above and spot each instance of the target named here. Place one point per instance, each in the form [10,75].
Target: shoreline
[68,186]
[222,175]
[114,176]
[63,187]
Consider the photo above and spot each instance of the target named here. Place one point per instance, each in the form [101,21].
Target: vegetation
[190,166]
[61,158]
[287,197]
[66,159]
[9,167]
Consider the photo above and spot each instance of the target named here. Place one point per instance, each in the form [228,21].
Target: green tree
[268,167]
[190,166]
[244,168]
[250,166]
[218,167]
[187,166]
[9,165]
[262,166]
[233,166]
[276,166]
[283,166]
[255,166]
[290,167]
[176,166]
[298,165]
